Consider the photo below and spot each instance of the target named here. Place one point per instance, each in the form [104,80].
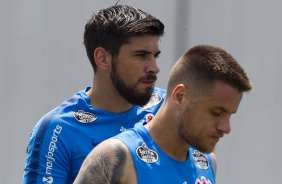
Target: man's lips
[149,82]
[216,137]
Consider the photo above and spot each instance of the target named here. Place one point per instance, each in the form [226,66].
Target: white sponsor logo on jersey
[51,152]
[147,155]
[200,160]
[84,117]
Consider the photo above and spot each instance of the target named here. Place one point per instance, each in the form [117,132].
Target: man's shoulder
[67,108]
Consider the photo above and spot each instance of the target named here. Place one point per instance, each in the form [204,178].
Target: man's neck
[164,133]
[101,97]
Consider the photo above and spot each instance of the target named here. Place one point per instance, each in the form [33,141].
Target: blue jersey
[63,138]
[154,166]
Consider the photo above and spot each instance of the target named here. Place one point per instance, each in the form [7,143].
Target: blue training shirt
[154,166]
[63,138]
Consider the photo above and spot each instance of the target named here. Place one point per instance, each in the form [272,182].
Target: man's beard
[129,92]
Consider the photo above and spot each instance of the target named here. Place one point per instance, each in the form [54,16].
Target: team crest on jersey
[84,117]
[200,160]
[203,180]
[147,155]
[154,100]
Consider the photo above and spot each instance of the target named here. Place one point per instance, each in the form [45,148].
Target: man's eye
[140,55]
[216,113]
[157,56]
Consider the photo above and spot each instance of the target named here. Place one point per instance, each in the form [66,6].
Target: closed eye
[217,111]
[220,111]
[216,114]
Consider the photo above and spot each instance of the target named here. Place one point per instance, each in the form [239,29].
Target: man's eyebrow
[142,51]
[224,110]
[146,52]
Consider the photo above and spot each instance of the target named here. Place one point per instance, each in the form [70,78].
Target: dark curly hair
[114,26]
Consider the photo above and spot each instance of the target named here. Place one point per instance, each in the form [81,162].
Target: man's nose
[225,126]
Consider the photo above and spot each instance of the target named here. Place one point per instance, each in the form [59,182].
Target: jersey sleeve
[49,151]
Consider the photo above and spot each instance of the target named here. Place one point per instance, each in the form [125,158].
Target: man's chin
[142,99]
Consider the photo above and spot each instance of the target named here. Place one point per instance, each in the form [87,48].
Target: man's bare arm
[105,164]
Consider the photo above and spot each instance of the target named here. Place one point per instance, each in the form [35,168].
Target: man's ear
[102,58]
[178,95]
